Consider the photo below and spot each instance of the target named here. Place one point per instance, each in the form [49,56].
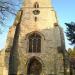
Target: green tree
[71,52]
[70,32]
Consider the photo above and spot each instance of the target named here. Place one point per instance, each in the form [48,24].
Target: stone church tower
[35,42]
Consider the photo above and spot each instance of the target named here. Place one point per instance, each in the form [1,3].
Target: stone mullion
[36,45]
[32,45]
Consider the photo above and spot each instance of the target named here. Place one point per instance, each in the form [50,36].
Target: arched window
[36,11]
[34,43]
[36,5]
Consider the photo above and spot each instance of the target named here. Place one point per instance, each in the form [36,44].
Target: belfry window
[34,43]
[36,11]
[36,5]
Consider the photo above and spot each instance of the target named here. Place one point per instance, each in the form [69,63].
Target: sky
[65,10]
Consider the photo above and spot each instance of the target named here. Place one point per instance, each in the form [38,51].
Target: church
[35,42]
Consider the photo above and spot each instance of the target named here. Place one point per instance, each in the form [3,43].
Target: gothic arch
[38,58]
[36,5]
[42,36]
[37,64]
[34,46]
[34,41]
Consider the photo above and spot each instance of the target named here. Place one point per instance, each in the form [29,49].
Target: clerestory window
[34,43]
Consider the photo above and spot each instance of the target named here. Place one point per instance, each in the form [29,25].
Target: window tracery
[34,43]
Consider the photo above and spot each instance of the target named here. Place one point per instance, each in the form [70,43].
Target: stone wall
[51,59]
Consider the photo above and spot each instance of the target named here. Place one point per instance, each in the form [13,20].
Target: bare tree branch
[7,8]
